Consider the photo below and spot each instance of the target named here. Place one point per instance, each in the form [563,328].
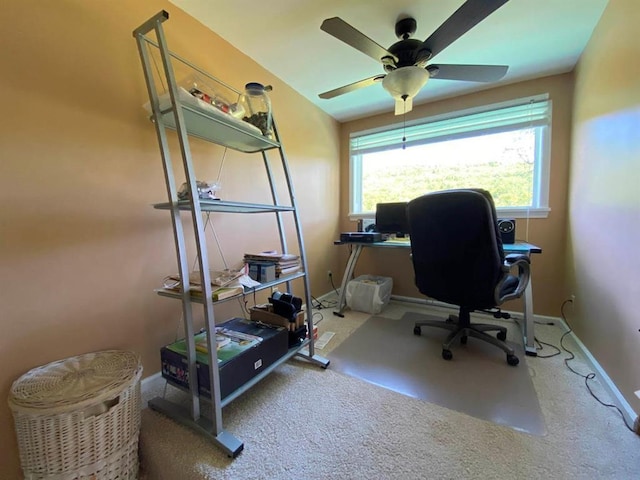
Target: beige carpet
[303,422]
[477,381]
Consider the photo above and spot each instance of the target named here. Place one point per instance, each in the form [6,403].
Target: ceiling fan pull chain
[404,123]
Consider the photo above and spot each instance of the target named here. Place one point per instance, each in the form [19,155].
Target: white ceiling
[535,38]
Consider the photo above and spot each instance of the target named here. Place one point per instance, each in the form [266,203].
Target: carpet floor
[306,422]
[477,381]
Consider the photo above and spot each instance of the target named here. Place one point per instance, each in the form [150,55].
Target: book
[285,263]
[237,343]
[289,270]
[226,292]
[218,278]
[271,256]
[201,342]
[218,292]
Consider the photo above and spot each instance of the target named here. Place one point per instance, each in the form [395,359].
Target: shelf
[293,351]
[175,107]
[227,442]
[225,206]
[219,129]
[199,299]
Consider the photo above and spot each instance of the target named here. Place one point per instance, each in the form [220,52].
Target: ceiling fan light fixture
[404,83]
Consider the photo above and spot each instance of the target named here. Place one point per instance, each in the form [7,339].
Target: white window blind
[531,114]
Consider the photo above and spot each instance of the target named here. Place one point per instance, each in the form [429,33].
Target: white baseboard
[630,416]
[146,383]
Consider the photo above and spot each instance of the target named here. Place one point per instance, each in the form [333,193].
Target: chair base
[461,330]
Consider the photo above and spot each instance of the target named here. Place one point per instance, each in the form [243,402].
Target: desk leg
[346,276]
[529,335]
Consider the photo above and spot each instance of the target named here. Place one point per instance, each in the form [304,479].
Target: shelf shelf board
[291,352]
[163,292]
[219,130]
[226,206]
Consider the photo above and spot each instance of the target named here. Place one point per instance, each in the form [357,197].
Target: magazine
[232,344]
[219,278]
[224,284]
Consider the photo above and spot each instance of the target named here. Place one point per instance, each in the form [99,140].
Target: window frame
[542,165]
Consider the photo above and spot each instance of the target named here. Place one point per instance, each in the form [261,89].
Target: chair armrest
[523,264]
[514,257]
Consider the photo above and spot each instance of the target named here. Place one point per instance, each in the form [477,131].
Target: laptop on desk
[361,237]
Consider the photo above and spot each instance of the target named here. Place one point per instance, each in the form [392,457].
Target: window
[501,148]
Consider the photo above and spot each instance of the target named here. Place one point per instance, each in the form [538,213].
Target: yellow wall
[604,226]
[81,247]
[82,250]
[549,233]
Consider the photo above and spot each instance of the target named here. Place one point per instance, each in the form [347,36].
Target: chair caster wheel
[463,340]
[416,331]
[501,336]
[446,354]
[513,360]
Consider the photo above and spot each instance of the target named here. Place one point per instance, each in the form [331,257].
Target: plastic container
[256,107]
[369,293]
[207,91]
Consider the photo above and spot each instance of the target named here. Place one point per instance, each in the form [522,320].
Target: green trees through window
[503,148]
[502,163]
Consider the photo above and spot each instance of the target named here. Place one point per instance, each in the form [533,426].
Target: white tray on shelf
[209,123]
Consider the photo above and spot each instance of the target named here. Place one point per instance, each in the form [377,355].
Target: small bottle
[257,107]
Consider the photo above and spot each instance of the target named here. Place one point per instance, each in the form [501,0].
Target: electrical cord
[320,305]
[316,322]
[542,344]
[332,284]
[588,376]
[541,347]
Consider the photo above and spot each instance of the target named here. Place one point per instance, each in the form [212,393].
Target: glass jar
[256,107]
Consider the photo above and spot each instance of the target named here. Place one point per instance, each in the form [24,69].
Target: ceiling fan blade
[464,19]
[343,31]
[367,82]
[470,73]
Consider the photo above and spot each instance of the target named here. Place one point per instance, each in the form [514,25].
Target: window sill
[523,212]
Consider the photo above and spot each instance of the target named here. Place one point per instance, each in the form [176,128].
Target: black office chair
[458,259]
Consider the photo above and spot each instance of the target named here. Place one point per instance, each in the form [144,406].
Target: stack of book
[285,263]
[224,284]
[229,343]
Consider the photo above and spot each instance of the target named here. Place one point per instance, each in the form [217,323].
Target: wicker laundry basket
[79,418]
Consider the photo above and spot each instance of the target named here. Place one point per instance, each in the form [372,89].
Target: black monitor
[392,218]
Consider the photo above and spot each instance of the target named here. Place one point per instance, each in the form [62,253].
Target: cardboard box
[234,371]
[315,332]
[262,272]
[266,315]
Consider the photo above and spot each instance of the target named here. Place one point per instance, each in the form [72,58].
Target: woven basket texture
[79,418]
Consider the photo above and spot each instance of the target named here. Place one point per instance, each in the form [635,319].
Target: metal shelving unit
[226,131]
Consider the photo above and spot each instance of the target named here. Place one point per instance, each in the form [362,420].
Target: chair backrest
[456,247]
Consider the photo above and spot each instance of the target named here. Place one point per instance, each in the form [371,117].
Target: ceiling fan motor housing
[406,51]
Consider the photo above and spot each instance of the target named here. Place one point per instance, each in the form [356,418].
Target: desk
[518,247]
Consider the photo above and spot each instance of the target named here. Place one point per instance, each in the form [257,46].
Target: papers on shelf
[224,283]
[220,278]
[285,263]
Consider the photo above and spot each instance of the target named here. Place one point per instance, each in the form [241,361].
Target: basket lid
[76,381]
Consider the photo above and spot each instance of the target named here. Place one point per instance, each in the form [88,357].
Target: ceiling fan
[405,62]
